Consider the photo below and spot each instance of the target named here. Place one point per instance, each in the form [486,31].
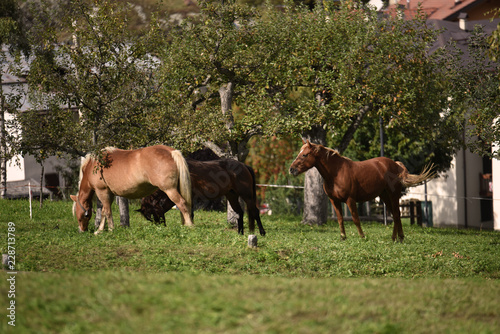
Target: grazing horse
[212,180]
[358,181]
[132,174]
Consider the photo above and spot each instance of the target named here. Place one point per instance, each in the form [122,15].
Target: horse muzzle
[293,171]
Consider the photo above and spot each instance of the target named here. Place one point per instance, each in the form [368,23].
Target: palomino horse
[212,180]
[358,181]
[132,174]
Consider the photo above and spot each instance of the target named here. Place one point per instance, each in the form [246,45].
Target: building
[468,196]
[24,170]
[447,10]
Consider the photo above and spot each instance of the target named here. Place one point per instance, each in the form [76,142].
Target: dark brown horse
[211,180]
[132,174]
[358,181]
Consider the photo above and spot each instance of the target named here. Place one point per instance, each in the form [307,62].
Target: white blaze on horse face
[296,167]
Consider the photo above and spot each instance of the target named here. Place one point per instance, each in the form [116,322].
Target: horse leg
[351,203]
[253,214]
[174,195]
[235,204]
[393,207]
[106,200]
[252,209]
[396,215]
[340,217]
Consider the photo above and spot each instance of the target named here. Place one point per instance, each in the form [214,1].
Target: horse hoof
[97,232]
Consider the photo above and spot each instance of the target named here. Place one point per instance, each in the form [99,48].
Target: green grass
[205,279]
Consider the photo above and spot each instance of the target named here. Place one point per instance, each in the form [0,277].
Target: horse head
[83,214]
[305,159]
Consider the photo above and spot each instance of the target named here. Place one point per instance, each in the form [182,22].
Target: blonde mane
[85,162]
[330,152]
[109,149]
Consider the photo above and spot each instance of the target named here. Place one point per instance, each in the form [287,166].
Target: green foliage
[12,30]
[99,90]
[228,47]
[285,71]
[494,40]
[478,90]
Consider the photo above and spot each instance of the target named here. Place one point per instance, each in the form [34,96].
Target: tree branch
[349,134]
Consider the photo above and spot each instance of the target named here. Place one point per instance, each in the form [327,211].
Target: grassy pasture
[205,279]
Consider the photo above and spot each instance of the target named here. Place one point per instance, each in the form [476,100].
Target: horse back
[216,178]
[137,173]
[365,180]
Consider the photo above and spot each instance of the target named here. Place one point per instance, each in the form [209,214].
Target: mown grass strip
[131,302]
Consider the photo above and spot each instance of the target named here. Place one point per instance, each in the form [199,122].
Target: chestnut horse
[132,174]
[358,181]
[212,180]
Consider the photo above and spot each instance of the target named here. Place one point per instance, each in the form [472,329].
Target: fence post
[412,212]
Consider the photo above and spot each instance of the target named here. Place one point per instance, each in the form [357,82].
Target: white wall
[473,202]
[496,194]
[447,194]
[441,192]
[15,171]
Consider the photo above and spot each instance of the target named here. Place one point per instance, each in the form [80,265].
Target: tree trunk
[226,100]
[315,199]
[98,212]
[356,122]
[124,212]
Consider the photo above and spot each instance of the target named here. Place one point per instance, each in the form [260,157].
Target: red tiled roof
[435,9]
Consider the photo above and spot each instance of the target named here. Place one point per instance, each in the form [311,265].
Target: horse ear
[303,142]
[308,143]
[73,197]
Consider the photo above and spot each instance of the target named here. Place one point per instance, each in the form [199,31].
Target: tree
[96,91]
[106,74]
[12,34]
[214,62]
[360,67]
[478,91]
[318,73]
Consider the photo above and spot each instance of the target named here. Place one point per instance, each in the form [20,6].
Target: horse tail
[412,180]
[254,187]
[184,178]
[253,211]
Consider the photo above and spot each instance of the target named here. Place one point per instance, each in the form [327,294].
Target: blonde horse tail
[412,180]
[184,178]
